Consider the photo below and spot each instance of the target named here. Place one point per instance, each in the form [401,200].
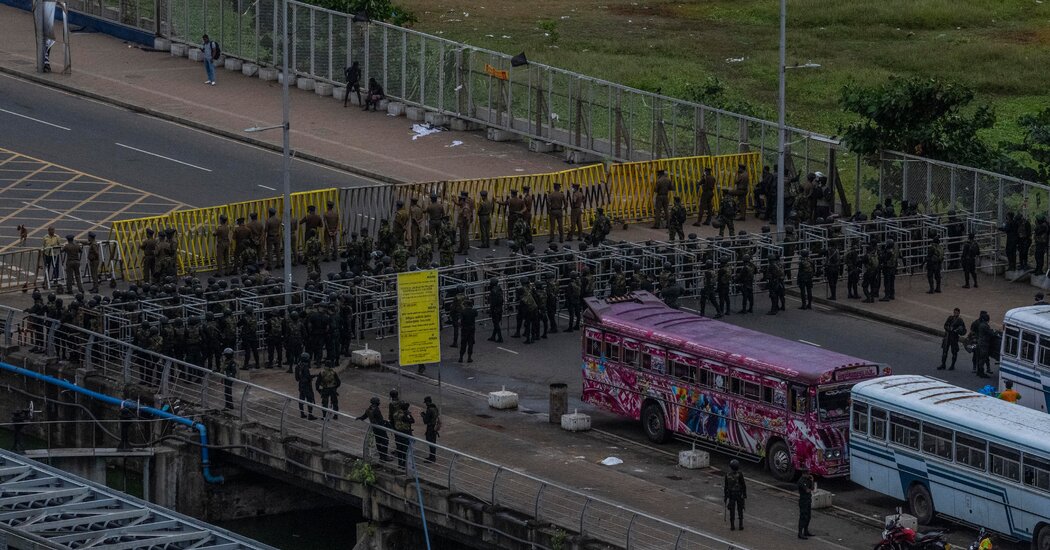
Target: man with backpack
[211,55]
[432,420]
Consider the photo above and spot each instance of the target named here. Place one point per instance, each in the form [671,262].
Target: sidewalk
[372,144]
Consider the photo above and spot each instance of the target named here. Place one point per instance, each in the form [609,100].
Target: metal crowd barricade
[22,270]
[109,265]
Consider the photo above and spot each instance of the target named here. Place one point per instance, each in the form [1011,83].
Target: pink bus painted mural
[677,372]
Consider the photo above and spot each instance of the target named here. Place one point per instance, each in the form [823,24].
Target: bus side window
[594,347]
[1005,462]
[1010,338]
[612,351]
[630,357]
[904,430]
[703,376]
[1028,346]
[970,451]
[799,402]
[1044,351]
[860,418]
[878,423]
[936,440]
[1036,472]
[647,361]
[681,370]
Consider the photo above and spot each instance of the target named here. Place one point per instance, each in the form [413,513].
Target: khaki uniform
[485,209]
[661,190]
[94,260]
[576,214]
[259,235]
[72,251]
[331,232]
[222,248]
[556,214]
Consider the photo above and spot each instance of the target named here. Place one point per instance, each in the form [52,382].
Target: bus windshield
[833,403]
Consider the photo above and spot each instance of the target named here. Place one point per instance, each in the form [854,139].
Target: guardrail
[591,516]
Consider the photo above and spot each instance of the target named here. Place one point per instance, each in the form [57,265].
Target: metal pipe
[128,404]
[780,119]
[287,161]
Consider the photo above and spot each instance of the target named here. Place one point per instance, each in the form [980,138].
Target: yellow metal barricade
[194,229]
[129,235]
[301,202]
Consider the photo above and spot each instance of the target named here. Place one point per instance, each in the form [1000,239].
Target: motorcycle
[897,537]
[983,542]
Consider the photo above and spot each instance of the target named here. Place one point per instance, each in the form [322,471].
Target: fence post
[951,186]
[7,328]
[367,61]
[451,466]
[856,185]
[244,399]
[976,183]
[495,479]
[904,178]
[536,506]
[127,366]
[929,185]
[630,527]
[1002,189]
[284,413]
[583,514]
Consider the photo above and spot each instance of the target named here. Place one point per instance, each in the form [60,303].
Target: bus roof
[644,316]
[1029,316]
[995,418]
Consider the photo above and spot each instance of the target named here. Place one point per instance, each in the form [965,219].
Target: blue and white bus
[955,452]
[1024,357]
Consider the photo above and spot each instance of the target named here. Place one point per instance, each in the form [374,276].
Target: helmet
[304,356]
[393,393]
[374,400]
[734,464]
[227,351]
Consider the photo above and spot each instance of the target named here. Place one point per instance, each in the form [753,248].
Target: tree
[1034,149]
[923,117]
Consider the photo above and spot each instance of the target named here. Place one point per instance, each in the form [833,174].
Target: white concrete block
[907,520]
[383,104]
[395,108]
[436,119]
[179,50]
[249,69]
[1019,275]
[537,146]
[580,157]
[495,134]
[988,268]
[161,44]
[575,422]
[195,54]
[694,459]
[291,79]
[338,91]
[354,100]
[1040,281]
[414,113]
[323,89]
[366,358]
[822,499]
[305,84]
[503,399]
[267,73]
[233,64]
[463,125]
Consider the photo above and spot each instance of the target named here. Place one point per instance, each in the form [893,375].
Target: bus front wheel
[921,503]
[653,422]
[1042,539]
[779,462]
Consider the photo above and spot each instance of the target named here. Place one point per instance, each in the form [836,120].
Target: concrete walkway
[373,144]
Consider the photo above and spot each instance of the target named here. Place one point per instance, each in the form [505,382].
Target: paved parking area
[38,194]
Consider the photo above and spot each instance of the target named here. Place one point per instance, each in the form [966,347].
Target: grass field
[1001,48]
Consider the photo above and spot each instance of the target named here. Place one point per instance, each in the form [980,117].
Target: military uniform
[273,256]
[832,271]
[576,199]
[331,230]
[221,234]
[556,213]
[707,197]
[402,420]
[954,329]
[464,215]
[273,334]
[378,427]
[853,271]
[723,280]
[94,260]
[661,190]
[72,251]
[400,259]
[258,234]
[934,260]
[707,292]
[229,370]
[573,301]
[774,278]
[455,308]
[486,206]
[417,218]
[401,223]
[424,253]
[1042,238]
[249,338]
[242,243]
[304,380]
[676,221]
[806,486]
[468,317]
[148,246]
[734,493]
[327,384]
[601,228]
[745,281]
[435,215]
[618,283]
[888,265]
[971,252]
[805,280]
[313,256]
[432,420]
[551,290]
[495,301]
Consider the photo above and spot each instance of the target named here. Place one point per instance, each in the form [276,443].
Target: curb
[874,315]
[32,77]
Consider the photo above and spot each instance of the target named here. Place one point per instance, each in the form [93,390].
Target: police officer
[661,189]
[327,385]
[496,300]
[734,493]
[464,215]
[432,420]
[94,258]
[486,207]
[378,427]
[556,213]
[331,230]
[971,252]
[417,219]
[306,390]
[148,246]
[806,486]
[468,317]
[435,215]
[574,300]
[707,196]
[72,251]
[954,328]
[229,369]
[576,199]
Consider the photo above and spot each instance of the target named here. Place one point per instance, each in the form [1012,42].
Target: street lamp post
[780,118]
[287,157]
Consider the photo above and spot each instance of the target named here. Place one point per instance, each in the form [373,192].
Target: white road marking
[267,187]
[63,214]
[810,343]
[507,350]
[690,309]
[163,157]
[35,119]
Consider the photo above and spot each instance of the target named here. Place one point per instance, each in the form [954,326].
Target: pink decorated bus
[742,390]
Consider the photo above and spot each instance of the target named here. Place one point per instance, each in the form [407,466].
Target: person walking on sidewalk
[954,328]
[806,486]
[734,493]
[211,54]
[353,82]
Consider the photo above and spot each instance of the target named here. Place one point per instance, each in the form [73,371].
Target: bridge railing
[493,484]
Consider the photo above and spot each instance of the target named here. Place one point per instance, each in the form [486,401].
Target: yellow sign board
[418,318]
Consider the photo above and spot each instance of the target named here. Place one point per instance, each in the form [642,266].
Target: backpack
[215,52]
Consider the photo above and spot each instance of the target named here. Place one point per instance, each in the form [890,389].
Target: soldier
[1042,238]
[707,196]
[618,283]
[573,300]
[971,252]
[327,385]
[242,237]
[745,281]
[853,270]
[401,223]
[661,188]
[249,332]
[601,228]
[1011,228]
[402,420]
[676,220]
[468,317]
[432,420]
[539,315]
[164,256]
[72,251]
[229,370]
[1024,241]
[273,255]
[555,213]
[727,211]
[495,300]
[805,280]
[934,260]
[528,204]
[871,274]
[378,427]
[331,230]
[435,215]
[417,217]
[734,493]
[586,286]
[221,234]
[526,306]
[400,259]
[94,259]
[148,246]
[515,209]
[258,234]
[312,221]
[806,486]
[740,192]
[790,244]
[464,215]
[576,199]
[551,291]
[385,241]
[394,405]
[954,328]
[424,253]
[195,342]
[486,207]
[832,271]
[520,233]
[722,281]
[313,255]
[303,379]
[774,278]
[707,292]
[888,265]
[293,338]
[273,333]
[445,249]
[454,306]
